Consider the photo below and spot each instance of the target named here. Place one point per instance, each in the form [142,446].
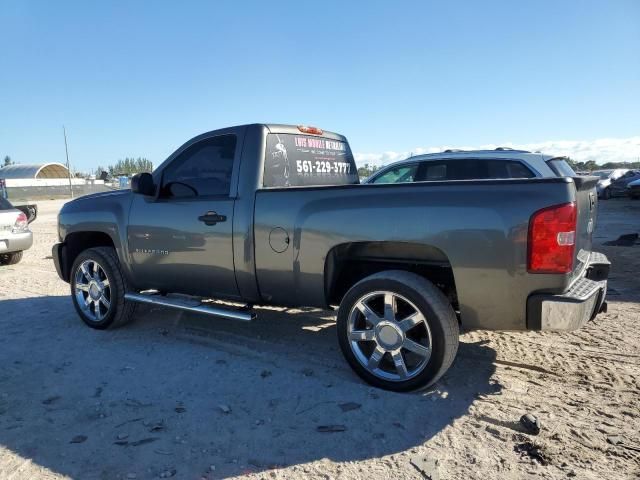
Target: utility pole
[66,149]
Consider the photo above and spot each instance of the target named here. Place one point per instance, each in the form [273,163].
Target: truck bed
[478,229]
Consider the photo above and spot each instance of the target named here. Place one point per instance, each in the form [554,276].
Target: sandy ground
[182,396]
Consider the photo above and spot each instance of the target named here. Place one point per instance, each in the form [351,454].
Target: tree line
[367,170]
[127,166]
[130,166]
[592,165]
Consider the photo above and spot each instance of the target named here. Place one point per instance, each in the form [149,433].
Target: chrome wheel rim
[92,290]
[389,336]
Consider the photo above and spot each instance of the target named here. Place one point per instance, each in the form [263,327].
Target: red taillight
[310,130]
[552,239]
[22,223]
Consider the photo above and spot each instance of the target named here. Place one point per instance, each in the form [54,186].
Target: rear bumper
[572,309]
[16,242]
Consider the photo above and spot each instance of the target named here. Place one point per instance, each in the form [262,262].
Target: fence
[50,192]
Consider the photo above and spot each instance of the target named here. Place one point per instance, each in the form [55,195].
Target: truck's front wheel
[98,288]
[397,331]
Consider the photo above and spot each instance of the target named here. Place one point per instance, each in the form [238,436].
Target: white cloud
[601,150]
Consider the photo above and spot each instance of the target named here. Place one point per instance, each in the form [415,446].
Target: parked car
[606,177]
[633,189]
[618,188]
[30,209]
[15,236]
[501,163]
[275,214]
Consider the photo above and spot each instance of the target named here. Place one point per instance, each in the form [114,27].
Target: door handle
[211,218]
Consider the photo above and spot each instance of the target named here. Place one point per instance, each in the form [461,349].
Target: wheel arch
[77,242]
[348,263]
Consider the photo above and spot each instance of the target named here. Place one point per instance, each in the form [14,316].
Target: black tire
[119,312]
[33,214]
[10,258]
[430,302]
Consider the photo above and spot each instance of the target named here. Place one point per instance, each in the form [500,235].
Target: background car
[15,236]
[501,163]
[606,178]
[618,188]
[30,209]
[633,189]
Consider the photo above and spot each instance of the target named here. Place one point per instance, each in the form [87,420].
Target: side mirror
[143,183]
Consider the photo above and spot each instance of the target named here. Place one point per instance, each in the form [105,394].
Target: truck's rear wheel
[397,331]
[98,288]
[10,258]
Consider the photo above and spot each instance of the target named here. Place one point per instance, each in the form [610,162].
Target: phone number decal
[320,166]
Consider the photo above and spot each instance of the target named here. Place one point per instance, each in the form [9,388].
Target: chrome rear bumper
[572,309]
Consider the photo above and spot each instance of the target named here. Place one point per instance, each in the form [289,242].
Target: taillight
[310,130]
[22,223]
[552,239]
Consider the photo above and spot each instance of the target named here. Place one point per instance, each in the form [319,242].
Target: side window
[204,169]
[404,174]
[507,169]
[474,169]
[453,170]
[561,167]
[435,171]
[518,170]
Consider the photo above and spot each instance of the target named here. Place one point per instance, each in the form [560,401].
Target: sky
[134,78]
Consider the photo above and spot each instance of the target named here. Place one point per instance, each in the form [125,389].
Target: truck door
[181,241]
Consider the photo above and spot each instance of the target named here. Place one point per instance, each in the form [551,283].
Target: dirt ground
[180,396]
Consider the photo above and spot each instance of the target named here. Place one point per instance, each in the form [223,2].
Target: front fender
[107,214]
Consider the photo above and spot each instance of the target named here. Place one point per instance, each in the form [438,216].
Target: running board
[228,313]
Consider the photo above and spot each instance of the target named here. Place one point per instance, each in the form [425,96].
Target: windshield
[303,160]
[603,174]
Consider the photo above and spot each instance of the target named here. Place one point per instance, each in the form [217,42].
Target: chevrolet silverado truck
[275,214]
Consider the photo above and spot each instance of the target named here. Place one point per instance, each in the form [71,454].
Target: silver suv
[501,163]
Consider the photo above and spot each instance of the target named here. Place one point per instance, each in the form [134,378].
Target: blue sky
[133,78]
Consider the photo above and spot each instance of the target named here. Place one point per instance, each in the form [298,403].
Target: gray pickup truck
[275,214]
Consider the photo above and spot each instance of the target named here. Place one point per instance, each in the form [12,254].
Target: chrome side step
[228,313]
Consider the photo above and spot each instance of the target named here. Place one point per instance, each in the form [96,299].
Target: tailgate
[587,208]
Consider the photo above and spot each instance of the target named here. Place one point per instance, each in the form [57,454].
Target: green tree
[127,166]
[367,170]
[591,165]
[7,161]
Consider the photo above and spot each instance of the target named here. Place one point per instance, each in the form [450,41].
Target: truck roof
[273,128]
[283,128]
